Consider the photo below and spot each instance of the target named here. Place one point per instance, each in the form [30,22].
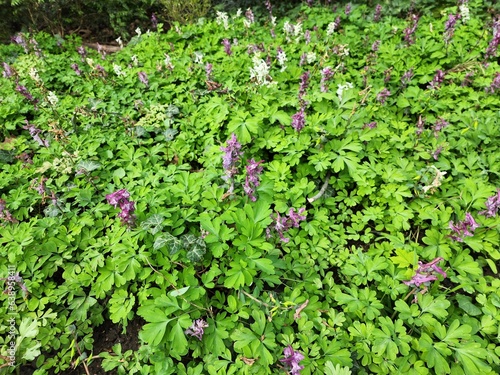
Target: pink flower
[292,359]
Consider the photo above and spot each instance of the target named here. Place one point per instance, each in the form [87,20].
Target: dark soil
[105,336]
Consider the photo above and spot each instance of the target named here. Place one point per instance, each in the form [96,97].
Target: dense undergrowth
[314,194]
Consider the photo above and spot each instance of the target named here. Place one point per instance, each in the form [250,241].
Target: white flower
[464,12]
[198,58]
[282,59]
[310,57]
[119,41]
[34,75]
[238,13]
[223,19]
[273,21]
[118,70]
[260,71]
[168,62]
[135,60]
[246,23]
[330,29]
[52,98]
[138,31]
[90,62]
[288,28]
[341,88]
[297,29]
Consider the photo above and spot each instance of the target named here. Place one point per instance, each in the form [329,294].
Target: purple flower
[283,223]
[436,153]
[407,76]
[20,40]
[370,125]
[82,52]
[34,132]
[449,27]
[440,124]
[197,329]
[249,16]
[377,14]
[463,228]
[118,196]
[154,21]
[304,84]
[495,85]
[383,95]
[121,198]
[492,205]
[437,80]
[143,78]
[409,32]
[24,92]
[299,120]
[307,36]
[76,69]
[348,9]
[467,79]
[420,126]
[231,155]
[426,273]
[5,214]
[291,360]
[7,70]
[375,45]
[227,46]
[254,169]
[208,70]
[336,23]
[326,74]
[493,45]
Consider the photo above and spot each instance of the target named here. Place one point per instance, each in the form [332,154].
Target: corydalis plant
[409,32]
[197,329]
[492,205]
[230,159]
[254,169]
[120,198]
[259,73]
[291,360]
[424,275]
[463,228]
[284,223]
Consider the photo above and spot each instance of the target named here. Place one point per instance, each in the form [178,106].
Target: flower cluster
[283,223]
[143,78]
[249,18]
[299,120]
[5,214]
[464,12]
[227,46]
[383,95]
[222,19]
[463,228]
[304,84]
[495,85]
[407,76]
[254,169]
[495,41]
[420,126]
[260,71]
[34,132]
[370,125]
[326,74]
[231,157]
[409,32]
[378,12]
[341,88]
[437,80]
[425,274]
[281,57]
[292,359]
[121,198]
[197,329]
[492,205]
[449,27]
[440,124]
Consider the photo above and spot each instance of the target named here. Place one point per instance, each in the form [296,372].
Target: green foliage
[348,213]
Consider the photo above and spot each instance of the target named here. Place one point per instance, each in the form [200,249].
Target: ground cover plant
[315,194]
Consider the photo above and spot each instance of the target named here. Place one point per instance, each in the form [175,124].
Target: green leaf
[465,303]
[153,224]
